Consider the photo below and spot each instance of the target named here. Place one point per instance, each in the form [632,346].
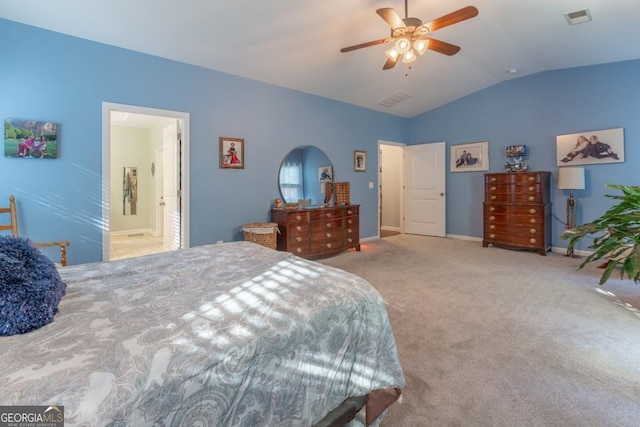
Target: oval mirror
[301,173]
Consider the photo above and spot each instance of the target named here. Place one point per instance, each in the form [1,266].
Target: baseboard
[389,228]
[468,238]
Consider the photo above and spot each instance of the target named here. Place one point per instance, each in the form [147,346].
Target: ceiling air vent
[578,17]
[394,99]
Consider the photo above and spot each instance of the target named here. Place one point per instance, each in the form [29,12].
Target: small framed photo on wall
[30,139]
[231,153]
[360,161]
[472,157]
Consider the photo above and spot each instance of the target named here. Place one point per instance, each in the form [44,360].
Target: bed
[232,334]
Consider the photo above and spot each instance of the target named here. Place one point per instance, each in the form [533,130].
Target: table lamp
[571,179]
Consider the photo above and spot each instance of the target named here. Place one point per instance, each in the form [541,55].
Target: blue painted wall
[53,77]
[533,110]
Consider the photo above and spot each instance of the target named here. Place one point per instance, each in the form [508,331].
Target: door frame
[107,108]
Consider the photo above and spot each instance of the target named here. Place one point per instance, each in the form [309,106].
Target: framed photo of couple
[472,157]
[591,147]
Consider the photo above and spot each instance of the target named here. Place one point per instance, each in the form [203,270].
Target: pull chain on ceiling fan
[410,35]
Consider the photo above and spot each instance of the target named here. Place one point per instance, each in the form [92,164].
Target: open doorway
[145,187]
[390,173]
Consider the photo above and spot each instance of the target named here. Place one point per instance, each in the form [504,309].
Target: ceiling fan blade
[391,17]
[361,45]
[390,63]
[451,18]
[441,47]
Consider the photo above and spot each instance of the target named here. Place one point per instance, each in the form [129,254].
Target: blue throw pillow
[30,287]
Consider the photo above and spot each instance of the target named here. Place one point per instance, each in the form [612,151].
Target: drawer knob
[329,245]
[493,188]
[329,225]
[328,235]
[532,188]
[533,231]
[328,214]
[533,241]
[299,250]
[493,197]
[350,240]
[492,236]
[491,218]
[299,239]
[492,227]
[492,208]
[493,179]
[349,211]
[298,217]
[532,210]
[532,178]
[532,198]
[298,228]
[350,221]
[533,221]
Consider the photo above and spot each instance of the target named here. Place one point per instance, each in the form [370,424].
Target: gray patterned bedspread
[233,334]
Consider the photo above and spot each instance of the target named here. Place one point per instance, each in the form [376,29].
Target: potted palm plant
[616,235]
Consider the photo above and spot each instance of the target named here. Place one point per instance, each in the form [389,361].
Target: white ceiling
[296,44]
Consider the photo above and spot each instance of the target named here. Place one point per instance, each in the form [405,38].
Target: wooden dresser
[517,211]
[318,232]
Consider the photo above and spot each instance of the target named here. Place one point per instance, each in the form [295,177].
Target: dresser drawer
[522,240]
[520,178]
[325,214]
[298,217]
[515,193]
[334,224]
[511,209]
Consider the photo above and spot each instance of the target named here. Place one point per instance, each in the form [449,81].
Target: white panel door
[171,175]
[424,189]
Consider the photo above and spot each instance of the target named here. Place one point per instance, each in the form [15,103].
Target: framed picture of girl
[231,153]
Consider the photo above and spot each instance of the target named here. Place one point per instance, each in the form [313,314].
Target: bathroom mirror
[301,175]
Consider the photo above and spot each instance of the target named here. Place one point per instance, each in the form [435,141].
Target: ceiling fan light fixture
[392,53]
[420,46]
[403,45]
[409,57]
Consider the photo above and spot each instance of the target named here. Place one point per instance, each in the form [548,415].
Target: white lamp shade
[571,178]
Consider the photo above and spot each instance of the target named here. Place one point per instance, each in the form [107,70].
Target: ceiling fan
[410,35]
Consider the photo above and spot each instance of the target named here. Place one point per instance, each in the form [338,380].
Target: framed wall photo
[360,161]
[325,174]
[591,147]
[472,157]
[30,139]
[231,153]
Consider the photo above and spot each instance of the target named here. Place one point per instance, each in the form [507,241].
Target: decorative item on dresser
[319,231]
[517,211]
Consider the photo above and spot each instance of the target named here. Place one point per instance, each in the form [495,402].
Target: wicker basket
[263,233]
[342,193]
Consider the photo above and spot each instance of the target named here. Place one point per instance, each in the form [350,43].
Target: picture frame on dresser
[471,157]
[590,147]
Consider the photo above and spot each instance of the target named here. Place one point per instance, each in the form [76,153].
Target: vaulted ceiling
[296,44]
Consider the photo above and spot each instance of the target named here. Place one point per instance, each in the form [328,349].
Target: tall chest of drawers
[517,211]
[318,232]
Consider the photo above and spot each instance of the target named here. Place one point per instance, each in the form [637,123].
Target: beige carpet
[493,337]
